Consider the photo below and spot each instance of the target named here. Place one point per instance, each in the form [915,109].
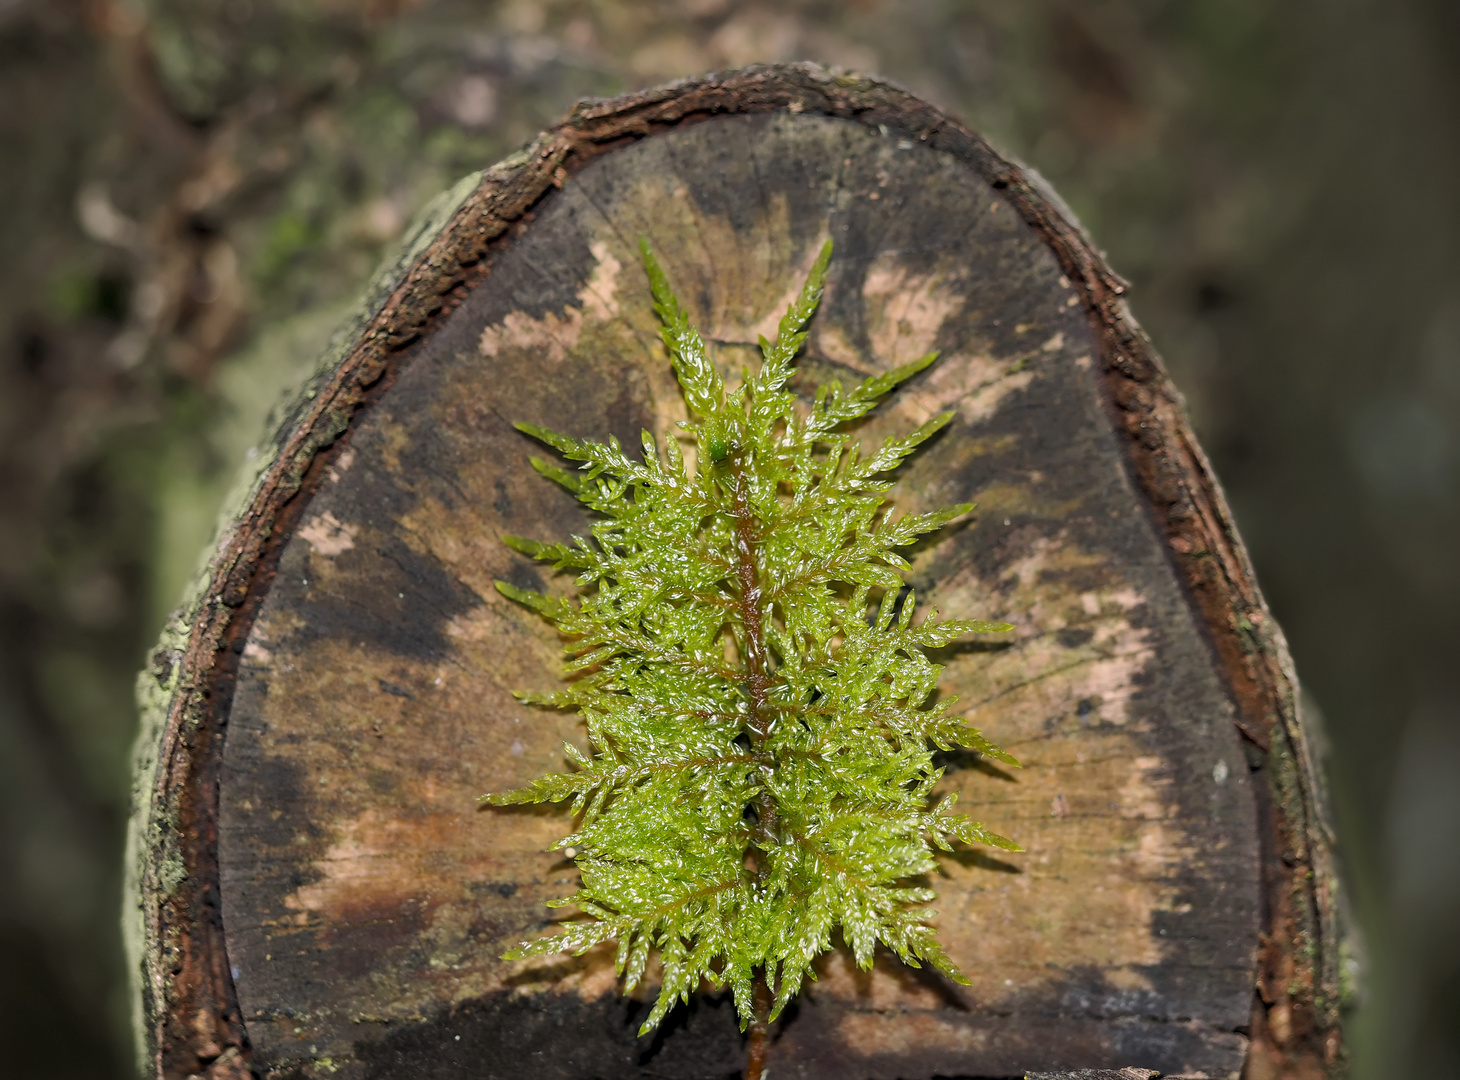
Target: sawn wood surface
[318,893]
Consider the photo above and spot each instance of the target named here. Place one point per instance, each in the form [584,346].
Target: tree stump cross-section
[314,891]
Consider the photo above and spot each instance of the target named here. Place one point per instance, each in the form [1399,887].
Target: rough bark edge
[162,860]
[185,1007]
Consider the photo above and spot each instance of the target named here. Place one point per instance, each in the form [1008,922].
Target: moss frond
[736,816]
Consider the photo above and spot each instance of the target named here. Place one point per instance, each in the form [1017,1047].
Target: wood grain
[365,900]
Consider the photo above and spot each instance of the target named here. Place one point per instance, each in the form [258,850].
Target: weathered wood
[316,892]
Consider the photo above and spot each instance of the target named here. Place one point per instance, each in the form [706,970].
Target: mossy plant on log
[757,698]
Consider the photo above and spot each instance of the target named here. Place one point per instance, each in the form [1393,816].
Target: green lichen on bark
[758,702]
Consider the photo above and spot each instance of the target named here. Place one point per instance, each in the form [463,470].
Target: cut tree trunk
[316,894]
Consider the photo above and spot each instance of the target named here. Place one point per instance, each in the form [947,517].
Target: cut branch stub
[314,890]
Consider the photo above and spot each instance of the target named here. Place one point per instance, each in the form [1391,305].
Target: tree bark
[315,894]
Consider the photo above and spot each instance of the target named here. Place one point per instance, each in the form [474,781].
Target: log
[313,891]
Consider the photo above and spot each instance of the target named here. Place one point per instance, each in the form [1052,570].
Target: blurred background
[192,192]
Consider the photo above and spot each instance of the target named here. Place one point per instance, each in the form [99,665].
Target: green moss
[758,699]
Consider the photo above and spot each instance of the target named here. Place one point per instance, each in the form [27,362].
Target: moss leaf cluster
[758,702]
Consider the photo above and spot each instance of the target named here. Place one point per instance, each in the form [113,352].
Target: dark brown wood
[315,893]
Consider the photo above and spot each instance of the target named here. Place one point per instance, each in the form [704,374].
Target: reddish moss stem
[757,668]
[755,1051]
[757,682]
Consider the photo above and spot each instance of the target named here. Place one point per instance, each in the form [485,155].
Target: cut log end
[317,891]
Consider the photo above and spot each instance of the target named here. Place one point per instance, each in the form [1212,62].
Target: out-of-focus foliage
[746,700]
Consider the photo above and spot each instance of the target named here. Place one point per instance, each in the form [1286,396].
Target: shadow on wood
[314,890]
